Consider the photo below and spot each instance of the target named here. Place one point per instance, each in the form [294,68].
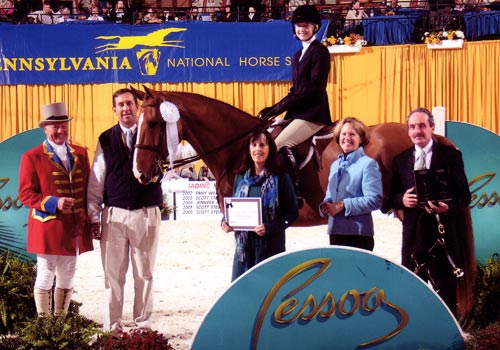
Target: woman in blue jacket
[354,188]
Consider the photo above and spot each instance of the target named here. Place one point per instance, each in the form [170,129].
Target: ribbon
[170,114]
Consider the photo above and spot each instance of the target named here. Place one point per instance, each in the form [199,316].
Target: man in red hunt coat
[53,184]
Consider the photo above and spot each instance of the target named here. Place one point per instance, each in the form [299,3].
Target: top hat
[54,113]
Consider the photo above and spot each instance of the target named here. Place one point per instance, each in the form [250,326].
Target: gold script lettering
[8,202]
[291,309]
[483,199]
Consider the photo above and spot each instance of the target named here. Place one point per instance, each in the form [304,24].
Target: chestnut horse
[217,131]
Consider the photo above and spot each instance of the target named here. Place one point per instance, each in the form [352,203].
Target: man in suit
[420,225]
[53,183]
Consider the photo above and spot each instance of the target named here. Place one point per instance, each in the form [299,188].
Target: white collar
[56,147]
[132,128]
[426,149]
[307,43]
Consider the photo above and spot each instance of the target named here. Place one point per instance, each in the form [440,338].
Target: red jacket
[42,181]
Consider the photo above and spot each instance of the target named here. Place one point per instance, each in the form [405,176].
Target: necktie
[420,162]
[129,135]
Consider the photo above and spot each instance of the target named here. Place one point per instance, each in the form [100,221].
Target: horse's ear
[137,93]
[148,91]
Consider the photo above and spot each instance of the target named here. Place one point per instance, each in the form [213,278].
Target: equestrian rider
[307,102]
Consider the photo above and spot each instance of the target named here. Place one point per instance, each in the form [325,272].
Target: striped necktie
[420,162]
[129,138]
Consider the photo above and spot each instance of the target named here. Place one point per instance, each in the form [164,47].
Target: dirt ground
[194,268]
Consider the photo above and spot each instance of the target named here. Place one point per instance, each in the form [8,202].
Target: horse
[217,131]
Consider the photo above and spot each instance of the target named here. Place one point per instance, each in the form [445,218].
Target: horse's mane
[222,104]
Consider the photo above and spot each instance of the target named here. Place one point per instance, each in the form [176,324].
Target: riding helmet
[306,14]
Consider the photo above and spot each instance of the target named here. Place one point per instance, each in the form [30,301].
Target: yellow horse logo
[153,39]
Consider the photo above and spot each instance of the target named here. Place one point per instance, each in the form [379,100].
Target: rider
[307,102]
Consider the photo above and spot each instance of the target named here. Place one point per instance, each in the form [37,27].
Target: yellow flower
[347,40]
[331,40]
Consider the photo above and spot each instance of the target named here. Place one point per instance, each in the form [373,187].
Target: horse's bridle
[158,150]
[161,156]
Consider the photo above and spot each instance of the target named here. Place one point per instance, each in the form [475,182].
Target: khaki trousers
[129,235]
[297,132]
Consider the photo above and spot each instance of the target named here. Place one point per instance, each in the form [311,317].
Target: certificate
[243,213]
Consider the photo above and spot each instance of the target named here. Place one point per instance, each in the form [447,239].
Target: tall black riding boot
[293,170]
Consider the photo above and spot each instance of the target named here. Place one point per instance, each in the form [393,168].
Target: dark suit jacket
[420,228]
[307,98]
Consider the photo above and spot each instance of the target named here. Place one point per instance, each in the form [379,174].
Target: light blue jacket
[360,188]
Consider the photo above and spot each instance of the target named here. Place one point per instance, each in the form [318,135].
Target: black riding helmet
[306,14]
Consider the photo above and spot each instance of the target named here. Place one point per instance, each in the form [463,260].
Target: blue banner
[85,52]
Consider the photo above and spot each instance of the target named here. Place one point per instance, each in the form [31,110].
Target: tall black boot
[293,170]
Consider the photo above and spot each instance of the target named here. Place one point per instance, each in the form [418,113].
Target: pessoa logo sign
[328,298]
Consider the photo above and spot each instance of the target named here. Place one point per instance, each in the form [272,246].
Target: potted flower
[446,39]
[166,209]
[348,44]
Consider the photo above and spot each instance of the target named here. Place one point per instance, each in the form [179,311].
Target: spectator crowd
[344,15]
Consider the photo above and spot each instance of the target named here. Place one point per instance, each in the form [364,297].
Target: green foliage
[10,342]
[63,332]
[16,292]
[20,329]
[486,295]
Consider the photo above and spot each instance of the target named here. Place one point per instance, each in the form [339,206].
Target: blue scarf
[269,194]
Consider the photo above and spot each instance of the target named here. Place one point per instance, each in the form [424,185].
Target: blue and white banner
[83,53]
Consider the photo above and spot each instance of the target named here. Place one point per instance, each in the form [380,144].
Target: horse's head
[150,148]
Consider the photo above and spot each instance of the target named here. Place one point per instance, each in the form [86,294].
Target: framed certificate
[432,185]
[243,213]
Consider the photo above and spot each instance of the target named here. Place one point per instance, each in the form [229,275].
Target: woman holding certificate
[262,176]
[354,188]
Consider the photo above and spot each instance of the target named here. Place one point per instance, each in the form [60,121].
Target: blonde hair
[360,128]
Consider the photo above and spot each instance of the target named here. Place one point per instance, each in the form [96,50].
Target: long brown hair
[273,162]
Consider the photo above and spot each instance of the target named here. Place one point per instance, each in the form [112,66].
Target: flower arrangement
[350,40]
[437,37]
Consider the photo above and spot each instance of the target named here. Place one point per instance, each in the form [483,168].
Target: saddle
[311,148]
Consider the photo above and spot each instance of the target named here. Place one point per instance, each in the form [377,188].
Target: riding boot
[62,299]
[42,301]
[293,170]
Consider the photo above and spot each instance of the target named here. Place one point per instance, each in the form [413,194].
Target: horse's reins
[440,242]
[187,160]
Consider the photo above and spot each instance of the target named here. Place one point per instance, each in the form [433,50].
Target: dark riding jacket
[307,98]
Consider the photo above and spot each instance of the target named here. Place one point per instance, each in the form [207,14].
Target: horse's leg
[313,194]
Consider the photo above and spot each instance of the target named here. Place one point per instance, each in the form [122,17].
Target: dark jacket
[307,98]
[420,229]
